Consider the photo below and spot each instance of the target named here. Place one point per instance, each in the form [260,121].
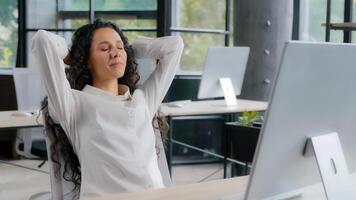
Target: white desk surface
[223,189]
[211,190]
[193,108]
[213,107]
[7,120]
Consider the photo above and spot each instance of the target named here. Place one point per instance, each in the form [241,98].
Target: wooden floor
[18,183]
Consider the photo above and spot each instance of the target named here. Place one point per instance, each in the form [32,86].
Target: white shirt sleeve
[168,51]
[48,51]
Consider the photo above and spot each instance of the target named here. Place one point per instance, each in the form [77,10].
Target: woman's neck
[111,86]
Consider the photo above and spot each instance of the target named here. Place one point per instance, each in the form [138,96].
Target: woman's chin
[117,74]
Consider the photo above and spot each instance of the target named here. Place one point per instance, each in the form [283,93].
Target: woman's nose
[114,53]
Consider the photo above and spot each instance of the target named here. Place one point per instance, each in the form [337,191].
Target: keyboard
[179,104]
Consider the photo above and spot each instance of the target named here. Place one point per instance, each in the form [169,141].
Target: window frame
[21,58]
[174,9]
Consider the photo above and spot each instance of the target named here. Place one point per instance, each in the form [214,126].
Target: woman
[105,119]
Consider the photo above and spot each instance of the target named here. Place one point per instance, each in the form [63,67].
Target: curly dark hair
[78,75]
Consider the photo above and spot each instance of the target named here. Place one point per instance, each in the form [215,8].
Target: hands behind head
[66,60]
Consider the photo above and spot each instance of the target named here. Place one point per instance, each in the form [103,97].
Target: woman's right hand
[66,59]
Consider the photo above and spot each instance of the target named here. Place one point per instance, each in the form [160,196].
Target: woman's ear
[66,60]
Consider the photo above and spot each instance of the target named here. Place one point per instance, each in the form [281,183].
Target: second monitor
[223,65]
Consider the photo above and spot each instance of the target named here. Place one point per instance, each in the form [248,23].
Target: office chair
[60,188]
[145,68]
[30,142]
[161,157]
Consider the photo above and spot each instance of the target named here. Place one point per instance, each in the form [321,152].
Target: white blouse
[112,135]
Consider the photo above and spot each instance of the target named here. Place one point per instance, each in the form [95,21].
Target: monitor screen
[314,94]
[30,90]
[223,62]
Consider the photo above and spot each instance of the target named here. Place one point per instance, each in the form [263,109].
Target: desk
[211,190]
[213,107]
[10,122]
[205,108]
[7,121]
[193,108]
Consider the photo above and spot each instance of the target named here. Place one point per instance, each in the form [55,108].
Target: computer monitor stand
[228,90]
[332,165]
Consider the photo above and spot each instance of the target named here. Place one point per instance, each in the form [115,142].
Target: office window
[196,45]
[143,5]
[313,14]
[134,17]
[207,14]
[8,33]
[201,24]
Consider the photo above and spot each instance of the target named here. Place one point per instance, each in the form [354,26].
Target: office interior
[209,147]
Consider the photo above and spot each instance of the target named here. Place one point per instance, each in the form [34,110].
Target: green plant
[248,118]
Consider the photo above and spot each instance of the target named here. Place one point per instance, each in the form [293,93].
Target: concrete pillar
[264,26]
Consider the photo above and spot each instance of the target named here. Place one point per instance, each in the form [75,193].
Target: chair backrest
[29,94]
[60,188]
[146,66]
[162,160]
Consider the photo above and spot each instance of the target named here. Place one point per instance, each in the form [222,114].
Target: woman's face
[107,59]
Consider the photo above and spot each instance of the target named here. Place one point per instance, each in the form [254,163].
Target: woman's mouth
[116,64]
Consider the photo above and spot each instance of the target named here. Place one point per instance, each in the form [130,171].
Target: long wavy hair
[78,75]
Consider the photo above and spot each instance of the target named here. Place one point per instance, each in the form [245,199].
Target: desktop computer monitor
[29,88]
[223,62]
[314,95]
